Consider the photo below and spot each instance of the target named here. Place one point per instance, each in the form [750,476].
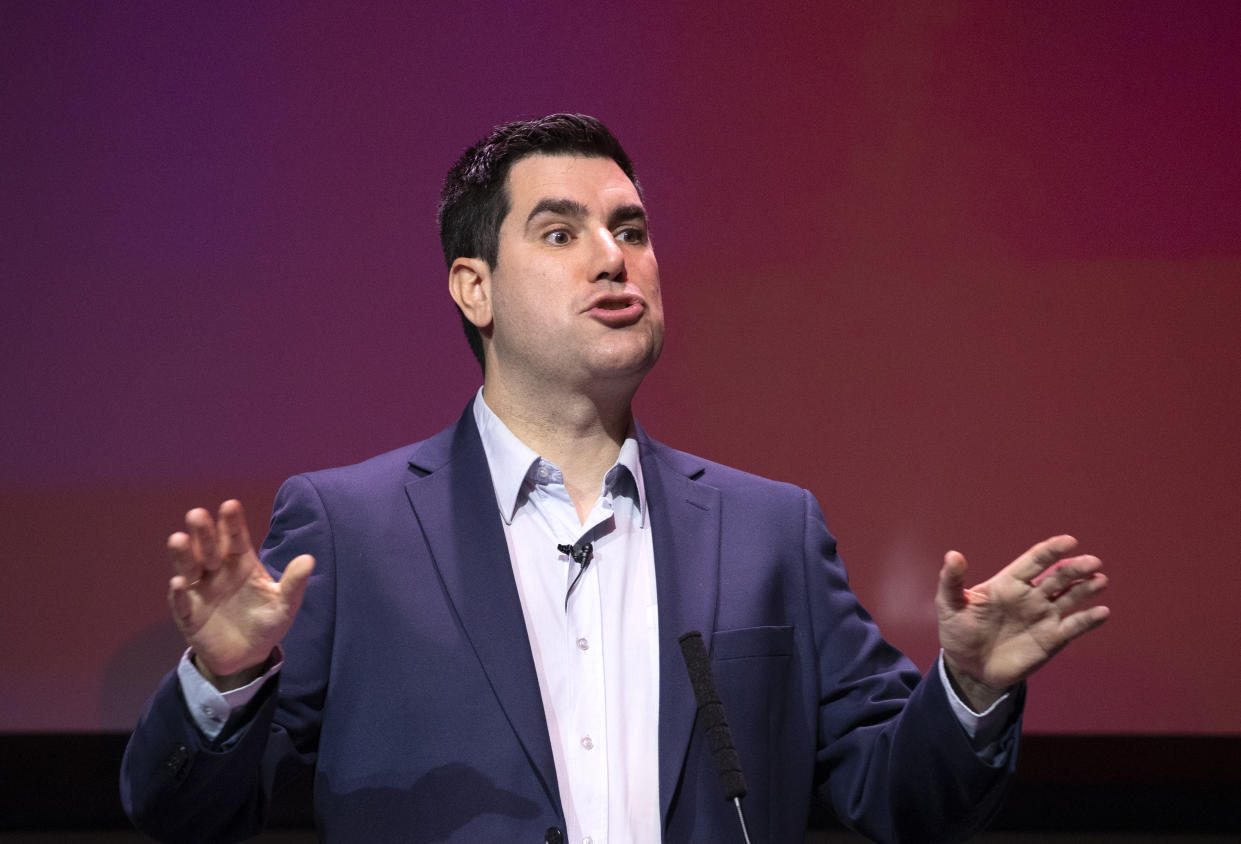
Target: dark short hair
[475,199]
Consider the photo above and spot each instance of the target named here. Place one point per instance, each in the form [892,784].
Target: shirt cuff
[986,727]
[209,707]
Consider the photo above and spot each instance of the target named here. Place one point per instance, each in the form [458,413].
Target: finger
[179,600]
[201,527]
[951,592]
[1083,590]
[182,558]
[1080,623]
[1067,572]
[295,579]
[1040,557]
[234,535]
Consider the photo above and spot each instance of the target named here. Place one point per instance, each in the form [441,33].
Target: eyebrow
[626,214]
[572,208]
[559,207]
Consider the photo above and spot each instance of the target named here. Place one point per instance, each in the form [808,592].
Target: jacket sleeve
[177,785]
[892,759]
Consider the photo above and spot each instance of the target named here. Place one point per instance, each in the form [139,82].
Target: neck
[581,434]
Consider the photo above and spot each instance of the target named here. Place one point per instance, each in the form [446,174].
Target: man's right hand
[228,608]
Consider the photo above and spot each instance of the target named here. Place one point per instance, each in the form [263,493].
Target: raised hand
[1001,631]
[230,610]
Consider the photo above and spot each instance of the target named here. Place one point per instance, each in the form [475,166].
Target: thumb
[952,581]
[295,579]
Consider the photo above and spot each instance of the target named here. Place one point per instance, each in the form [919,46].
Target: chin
[626,362]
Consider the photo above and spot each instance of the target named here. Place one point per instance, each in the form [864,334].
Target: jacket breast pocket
[752,668]
[755,672]
[751,642]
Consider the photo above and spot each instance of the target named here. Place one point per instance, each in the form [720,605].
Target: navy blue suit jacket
[409,684]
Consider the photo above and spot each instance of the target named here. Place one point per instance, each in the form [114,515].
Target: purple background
[970,272]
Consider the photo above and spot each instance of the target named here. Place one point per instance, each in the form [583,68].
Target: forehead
[589,180]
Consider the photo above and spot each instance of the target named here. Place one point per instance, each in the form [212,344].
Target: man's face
[575,291]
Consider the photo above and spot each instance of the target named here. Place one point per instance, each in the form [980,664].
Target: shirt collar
[511,462]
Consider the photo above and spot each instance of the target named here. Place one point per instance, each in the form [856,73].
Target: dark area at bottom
[1065,783]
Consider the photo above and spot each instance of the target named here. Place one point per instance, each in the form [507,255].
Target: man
[475,638]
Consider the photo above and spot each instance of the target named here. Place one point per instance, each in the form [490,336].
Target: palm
[1001,631]
[230,610]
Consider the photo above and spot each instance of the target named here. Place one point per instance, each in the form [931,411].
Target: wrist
[974,693]
[235,680]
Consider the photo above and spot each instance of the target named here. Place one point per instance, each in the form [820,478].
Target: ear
[469,284]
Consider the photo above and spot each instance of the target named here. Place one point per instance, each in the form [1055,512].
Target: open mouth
[618,310]
[616,303]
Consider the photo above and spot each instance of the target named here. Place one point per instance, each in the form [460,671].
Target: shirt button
[588,840]
[209,711]
[582,644]
[587,743]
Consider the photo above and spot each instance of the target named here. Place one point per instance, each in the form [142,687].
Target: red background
[970,272]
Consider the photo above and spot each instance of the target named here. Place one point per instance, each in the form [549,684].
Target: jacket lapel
[455,505]
[685,518]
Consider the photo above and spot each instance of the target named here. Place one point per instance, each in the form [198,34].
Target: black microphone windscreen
[711,710]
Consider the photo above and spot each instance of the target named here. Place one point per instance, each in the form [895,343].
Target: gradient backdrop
[970,272]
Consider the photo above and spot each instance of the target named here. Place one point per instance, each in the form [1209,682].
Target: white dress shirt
[596,655]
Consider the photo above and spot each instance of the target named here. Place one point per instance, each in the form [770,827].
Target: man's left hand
[1001,631]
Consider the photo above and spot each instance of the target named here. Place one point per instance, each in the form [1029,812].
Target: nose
[611,258]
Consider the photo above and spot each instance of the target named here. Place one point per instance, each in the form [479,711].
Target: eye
[558,237]
[632,235]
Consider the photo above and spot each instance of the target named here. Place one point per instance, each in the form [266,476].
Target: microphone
[581,554]
[715,723]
